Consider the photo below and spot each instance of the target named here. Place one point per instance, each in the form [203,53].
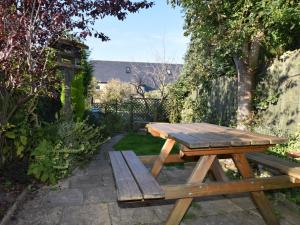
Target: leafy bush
[109,123]
[114,123]
[115,90]
[14,141]
[48,108]
[292,145]
[63,146]
[77,95]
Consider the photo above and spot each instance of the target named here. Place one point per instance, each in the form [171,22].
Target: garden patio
[89,197]
[90,136]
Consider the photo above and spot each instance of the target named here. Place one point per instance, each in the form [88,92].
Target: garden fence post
[116,106]
[131,112]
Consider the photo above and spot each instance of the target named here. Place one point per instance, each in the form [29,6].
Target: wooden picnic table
[205,143]
[210,142]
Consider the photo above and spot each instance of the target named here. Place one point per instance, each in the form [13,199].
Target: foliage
[16,137]
[61,147]
[292,194]
[114,91]
[27,31]
[177,94]
[141,144]
[17,87]
[188,97]
[80,85]
[156,76]
[292,145]
[226,25]
[275,81]
[48,108]
[77,95]
[62,93]
[15,142]
[87,70]
[281,151]
[227,34]
[114,123]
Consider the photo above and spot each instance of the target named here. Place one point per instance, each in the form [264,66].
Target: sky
[152,35]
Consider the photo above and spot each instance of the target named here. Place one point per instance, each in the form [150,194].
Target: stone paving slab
[100,194]
[132,215]
[88,197]
[40,216]
[233,218]
[88,181]
[90,214]
[214,206]
[243,201]
[64,197]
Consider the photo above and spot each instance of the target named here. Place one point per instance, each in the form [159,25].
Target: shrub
[63,146]
[292,145]
[48,108]
[14,140]
[77,94]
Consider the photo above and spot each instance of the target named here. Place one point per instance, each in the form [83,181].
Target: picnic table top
[205,135]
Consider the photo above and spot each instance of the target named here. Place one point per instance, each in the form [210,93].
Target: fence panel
[135,110]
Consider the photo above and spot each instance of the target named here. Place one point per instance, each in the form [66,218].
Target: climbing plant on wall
[237,38]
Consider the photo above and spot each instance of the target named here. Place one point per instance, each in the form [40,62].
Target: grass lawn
[142,144]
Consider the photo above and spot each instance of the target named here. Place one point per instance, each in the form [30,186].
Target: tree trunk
[244,94]
[246,66]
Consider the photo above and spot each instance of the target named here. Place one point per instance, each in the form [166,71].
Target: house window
[169,72]
[128,70]
[98,86]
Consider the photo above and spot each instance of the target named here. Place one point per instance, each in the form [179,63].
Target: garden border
[10,212]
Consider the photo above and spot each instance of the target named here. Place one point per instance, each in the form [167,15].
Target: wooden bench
[133,180]
[292,169]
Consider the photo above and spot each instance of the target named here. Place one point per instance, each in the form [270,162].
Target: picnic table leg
[198,175]
[258,197]
[218,171]
[159,162]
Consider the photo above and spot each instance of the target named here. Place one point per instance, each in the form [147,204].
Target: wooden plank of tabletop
[197,135]
[255,136]
[184,132]
[148,185]
[179,135]
[216,137]
[219,136]
[236,137]
[202,136]
[127,188]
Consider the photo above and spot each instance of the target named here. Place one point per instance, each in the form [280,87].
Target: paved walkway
[88,197]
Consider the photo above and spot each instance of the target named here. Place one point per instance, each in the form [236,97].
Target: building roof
[129,71]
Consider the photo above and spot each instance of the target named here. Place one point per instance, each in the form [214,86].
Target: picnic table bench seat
[209,142]
[133,180]
[284,166]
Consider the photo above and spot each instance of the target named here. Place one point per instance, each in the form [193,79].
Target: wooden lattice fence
[135,110]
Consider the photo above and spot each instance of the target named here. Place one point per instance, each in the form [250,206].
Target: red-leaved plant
[29,27]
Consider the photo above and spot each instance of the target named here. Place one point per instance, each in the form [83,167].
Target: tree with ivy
[28,28]
[238,38]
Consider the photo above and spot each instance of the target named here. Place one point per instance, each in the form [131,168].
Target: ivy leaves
[223,30]
[225,25]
